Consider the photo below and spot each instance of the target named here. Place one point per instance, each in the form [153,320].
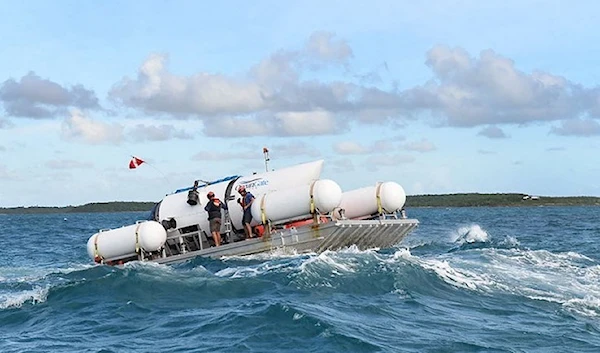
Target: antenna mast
[267,159]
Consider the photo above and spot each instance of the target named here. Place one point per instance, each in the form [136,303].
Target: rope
[137,239]
[97,257]
[312,197]
[263,215]
[377,192]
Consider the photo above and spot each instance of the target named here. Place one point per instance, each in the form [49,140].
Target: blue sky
[451,96]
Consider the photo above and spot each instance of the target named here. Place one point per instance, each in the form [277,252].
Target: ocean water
[467,280]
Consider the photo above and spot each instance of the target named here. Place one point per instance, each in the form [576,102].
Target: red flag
[135,162]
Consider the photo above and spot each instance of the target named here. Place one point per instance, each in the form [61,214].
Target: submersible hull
[293,210]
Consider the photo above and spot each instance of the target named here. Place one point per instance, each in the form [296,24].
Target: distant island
[445,200]
[96,207]
[497,200]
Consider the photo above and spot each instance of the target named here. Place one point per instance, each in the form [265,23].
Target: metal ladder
[227,224]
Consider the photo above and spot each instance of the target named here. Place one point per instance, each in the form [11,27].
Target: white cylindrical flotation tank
[284,205]
[119,242]
[364,201]
[175,206]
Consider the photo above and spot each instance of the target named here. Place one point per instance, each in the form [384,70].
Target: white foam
[16,300]
[570,279]
[238,272]
[587,306]
[456,277]
[33,274]
[275,254]
[328,259]
[510,241]
[253,270]
[353,249]
[402,254]
[307,267]
[145,265]
[470,234]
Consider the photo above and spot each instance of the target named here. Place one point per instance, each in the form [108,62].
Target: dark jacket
[213,210]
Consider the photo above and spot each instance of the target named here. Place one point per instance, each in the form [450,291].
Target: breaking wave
[453,274]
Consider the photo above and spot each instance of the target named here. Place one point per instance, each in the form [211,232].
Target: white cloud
[279,69]
[271,98]
[491,90]
[382,146]
[445,61]
[142,132]
[80,128]
[492,132]
[323,46]
[577,127]
[277,96]
[349,147]
[306,123]
[35,97]
[236,126]
[156,90]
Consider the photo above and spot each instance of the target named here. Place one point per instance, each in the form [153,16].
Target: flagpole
[158,170]
[267,159]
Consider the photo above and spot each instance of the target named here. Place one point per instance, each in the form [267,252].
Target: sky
[441,97]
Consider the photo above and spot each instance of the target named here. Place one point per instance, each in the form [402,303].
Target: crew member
[213,207]
[246,203]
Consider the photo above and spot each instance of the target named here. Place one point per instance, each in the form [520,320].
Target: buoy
[297,224]
[304,222]
[259,230]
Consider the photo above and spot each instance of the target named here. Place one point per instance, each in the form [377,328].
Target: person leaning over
[213,207]
[246,203]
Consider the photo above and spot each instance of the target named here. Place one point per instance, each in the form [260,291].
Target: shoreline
[413,201]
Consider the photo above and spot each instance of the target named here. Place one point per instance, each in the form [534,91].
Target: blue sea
[467,280]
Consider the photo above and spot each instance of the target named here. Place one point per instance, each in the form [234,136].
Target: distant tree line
[497,200]
[446,200]
[117,206]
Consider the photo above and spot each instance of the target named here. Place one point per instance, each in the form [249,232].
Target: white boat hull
[336,235]
[293,210]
